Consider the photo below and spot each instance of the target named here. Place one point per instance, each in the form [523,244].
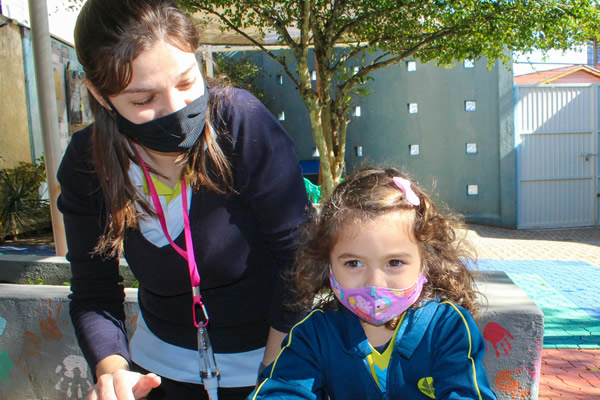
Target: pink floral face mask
[377,305]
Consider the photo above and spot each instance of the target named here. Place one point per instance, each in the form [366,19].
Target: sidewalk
[580,244]
[566,374]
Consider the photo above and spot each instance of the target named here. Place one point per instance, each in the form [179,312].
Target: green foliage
[21,207]
[440,30]
[379,33]
[242,73]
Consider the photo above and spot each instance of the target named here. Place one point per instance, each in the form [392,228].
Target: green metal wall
[441,129]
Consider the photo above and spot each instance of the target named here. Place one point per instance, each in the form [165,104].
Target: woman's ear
[99,98]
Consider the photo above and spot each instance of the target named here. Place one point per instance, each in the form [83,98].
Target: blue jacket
[438,354]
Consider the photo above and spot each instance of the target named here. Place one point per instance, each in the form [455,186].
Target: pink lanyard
[188,253]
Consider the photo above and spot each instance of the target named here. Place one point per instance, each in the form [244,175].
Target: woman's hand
[123,385]
[116,382]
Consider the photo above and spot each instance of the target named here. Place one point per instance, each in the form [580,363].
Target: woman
[198,187]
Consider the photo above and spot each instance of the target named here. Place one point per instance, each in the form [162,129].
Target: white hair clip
[404,185]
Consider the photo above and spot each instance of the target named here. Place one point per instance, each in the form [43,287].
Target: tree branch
[336,12]
[280,27]
[231,25]
[355,50]
[300,50]
[356,22]
[305,22]
[375,61]
[345,88]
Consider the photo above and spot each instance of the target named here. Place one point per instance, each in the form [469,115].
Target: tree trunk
[330,140]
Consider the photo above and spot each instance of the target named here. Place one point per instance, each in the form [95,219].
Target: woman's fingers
[123,385]
[145,384]
[104,389]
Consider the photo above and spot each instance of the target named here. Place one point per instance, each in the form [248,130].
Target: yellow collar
[164,190]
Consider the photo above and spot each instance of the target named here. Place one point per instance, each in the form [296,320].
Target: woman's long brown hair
[109,35]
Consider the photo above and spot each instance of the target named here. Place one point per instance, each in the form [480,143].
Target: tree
[391,31]
[241,73]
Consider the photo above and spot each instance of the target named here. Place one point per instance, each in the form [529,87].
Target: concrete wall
[39,355]
[441,129]
[40,359]
[14,131]
[50,270]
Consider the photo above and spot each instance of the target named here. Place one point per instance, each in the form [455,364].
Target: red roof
[570,74]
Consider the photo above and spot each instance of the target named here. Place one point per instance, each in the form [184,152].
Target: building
[450,128]
[21,139]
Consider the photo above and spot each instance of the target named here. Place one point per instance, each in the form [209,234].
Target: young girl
[398,324]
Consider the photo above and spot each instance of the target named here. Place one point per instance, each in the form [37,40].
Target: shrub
[22,208]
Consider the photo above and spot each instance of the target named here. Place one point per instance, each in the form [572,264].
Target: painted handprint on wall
[48,314]
[73,374]
[49,321]
[31,354]
[510,385]
[498,337]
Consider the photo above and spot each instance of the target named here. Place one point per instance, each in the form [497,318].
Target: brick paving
[570,374]
[567,374]
[581,244]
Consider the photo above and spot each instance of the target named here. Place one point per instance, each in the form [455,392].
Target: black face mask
[170,133]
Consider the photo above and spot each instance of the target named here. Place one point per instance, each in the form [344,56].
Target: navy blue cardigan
[241,243]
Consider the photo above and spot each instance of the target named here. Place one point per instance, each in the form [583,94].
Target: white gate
[557,164]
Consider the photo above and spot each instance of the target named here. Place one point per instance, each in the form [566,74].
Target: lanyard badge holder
[209,372]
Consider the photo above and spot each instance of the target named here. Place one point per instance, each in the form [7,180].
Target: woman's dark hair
[109,35]
[360,198]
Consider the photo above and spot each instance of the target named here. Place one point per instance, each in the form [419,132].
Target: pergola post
[40,38]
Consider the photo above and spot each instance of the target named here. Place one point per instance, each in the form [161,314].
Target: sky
[61,20]
[62,16]
[532,62]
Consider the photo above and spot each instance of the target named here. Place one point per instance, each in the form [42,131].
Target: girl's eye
[395,263]
[353,264]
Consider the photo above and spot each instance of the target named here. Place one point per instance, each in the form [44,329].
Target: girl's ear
[99,98]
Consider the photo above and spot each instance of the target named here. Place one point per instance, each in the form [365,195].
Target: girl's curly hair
[363,196]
